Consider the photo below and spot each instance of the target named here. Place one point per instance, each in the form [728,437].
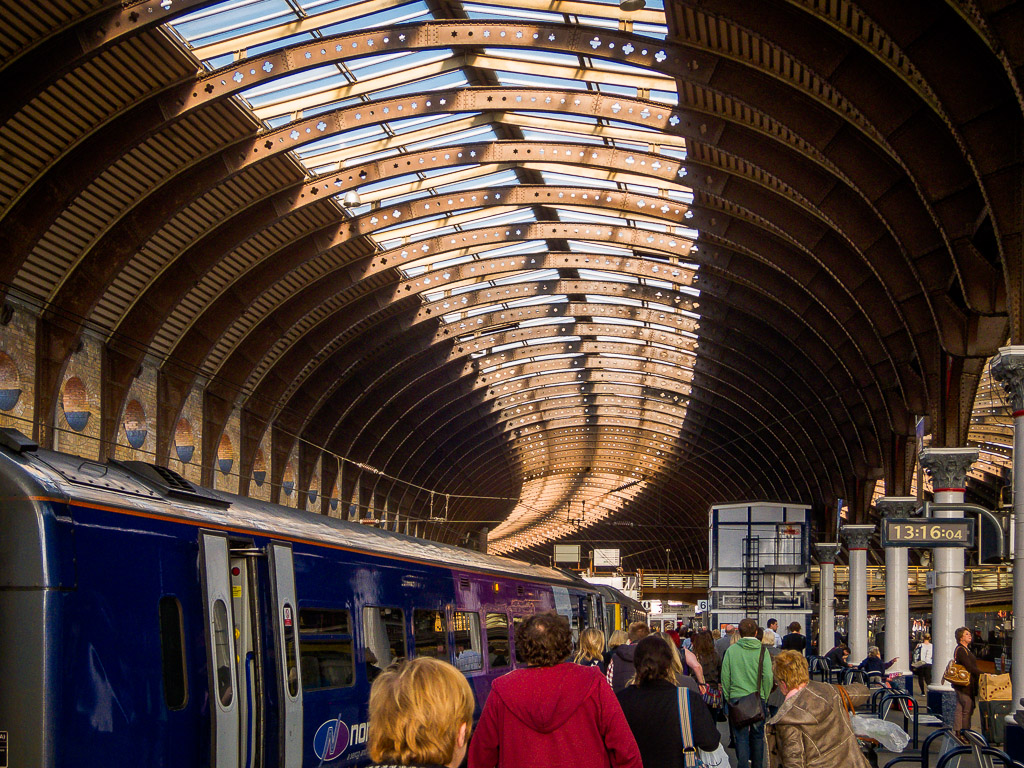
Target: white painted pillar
[897,591]
[1008,369]
[948,469]
[858,538]
[827,552]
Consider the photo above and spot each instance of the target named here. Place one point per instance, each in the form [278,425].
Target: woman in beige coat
[811,728]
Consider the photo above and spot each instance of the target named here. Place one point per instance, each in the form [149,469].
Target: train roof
[139,488]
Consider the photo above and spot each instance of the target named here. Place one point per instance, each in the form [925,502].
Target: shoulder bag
[695,757]
[956,674]
[748,709]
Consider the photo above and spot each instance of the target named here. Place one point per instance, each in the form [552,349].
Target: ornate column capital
[858,536]
[1008,369]
[827,551]
[896,506]
[948,467]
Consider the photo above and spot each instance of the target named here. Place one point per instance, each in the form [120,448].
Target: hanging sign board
[567,553]
[607,558]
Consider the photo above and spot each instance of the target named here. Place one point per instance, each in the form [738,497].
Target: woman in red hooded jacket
[552,714]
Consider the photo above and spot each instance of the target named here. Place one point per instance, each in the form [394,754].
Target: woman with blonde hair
[811,728]
[421,714]
[591,648]
[617,638]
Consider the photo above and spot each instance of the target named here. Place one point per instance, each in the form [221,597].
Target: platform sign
[702,606]
[607,558]
[567,553]
[928,532]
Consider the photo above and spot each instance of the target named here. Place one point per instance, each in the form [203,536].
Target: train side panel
[115,709]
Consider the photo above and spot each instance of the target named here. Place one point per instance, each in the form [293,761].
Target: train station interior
[512,276]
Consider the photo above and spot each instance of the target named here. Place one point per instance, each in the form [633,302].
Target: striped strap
[689,751]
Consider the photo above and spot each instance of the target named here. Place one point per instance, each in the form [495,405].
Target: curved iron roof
[600,269]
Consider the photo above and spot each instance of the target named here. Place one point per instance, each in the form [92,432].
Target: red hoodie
[564,716]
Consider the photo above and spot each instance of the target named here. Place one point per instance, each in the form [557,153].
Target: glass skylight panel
[593,298]
[563,179]
[387,17]
[582,246]
[551,340]
[608,277]
[511,79]
[503,11]
[497,179]
[527,277]
[233,19]
[532,301]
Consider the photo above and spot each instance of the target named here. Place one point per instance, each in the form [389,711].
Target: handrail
[983,578]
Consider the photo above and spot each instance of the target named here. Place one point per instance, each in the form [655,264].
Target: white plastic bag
[716,758]
[889,735]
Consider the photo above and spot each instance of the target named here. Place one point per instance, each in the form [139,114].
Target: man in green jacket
[739,677]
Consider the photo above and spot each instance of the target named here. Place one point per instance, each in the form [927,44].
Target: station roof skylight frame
[539,145]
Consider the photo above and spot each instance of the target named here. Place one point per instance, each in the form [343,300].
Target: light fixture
[351,199]
[631,5]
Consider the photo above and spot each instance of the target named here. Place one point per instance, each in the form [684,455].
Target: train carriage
[148,621]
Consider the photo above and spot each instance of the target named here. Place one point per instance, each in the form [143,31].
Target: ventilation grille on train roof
[170,483]
[463,582]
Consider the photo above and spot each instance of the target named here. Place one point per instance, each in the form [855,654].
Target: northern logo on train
[331,740]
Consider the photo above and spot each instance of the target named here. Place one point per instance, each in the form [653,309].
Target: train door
[253,654]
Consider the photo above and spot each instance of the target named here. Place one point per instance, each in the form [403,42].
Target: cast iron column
[1008,368]
[827,552]
[858,538]
[897,610]
[948,469]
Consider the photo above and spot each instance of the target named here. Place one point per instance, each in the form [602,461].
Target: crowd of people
[648,699]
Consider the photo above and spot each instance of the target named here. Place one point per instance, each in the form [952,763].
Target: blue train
[147,621]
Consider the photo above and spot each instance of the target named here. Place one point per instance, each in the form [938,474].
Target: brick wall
[262,464]
[228,448]
[192,415]
[84,367]
[141,398]
[18,344]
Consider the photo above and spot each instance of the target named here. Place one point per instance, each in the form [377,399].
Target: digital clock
[928,532]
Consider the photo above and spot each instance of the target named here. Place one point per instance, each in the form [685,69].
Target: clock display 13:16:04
[928,532]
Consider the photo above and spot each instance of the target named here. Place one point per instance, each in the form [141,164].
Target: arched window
[75,402]
[10,383]
[135,424]
[259,468]
[225,454]
[184,441]
[288,484]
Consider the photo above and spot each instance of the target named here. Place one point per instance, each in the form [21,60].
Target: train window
[383,637]
[429,634]
[222,653]
[466,634]
[497,640]
[516,623]
[326,649]
[172,653]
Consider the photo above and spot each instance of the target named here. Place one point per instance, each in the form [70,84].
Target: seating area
[938,747]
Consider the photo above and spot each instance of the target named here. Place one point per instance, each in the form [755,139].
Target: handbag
[712,695]
[748,710]
[956,674]
[695,757]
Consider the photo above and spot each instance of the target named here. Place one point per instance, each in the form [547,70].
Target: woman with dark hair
[966,695]
[651,706]
[704,650]
[551,712]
